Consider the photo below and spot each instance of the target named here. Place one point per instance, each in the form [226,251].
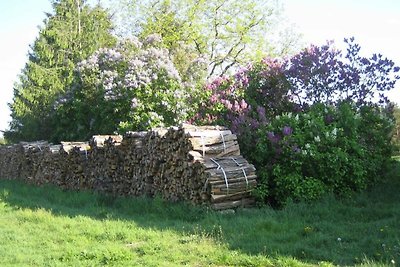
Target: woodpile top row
[202,165]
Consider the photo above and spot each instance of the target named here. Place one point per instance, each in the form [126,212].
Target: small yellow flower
[308,229]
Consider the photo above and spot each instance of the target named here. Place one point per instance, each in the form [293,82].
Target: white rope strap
[223,140]
[245,176]
[40,148]
[203,145]
[244,172]
[219,167]
[234,160]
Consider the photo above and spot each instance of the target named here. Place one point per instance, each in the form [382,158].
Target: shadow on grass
[365,226]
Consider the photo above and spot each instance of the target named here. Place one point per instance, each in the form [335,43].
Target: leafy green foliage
[324,150]
[396,130]
[3,141]
[176,34]
[227,33]
[71,34]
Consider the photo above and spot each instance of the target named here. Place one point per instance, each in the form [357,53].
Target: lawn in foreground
[45,226]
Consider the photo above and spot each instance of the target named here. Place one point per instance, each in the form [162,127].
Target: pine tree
[71,34]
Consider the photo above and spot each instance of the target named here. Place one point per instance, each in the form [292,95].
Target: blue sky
[374,23]
[19,20]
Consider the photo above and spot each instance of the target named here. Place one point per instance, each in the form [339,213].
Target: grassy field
[44,226]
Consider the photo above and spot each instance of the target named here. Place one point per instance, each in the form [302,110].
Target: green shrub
[396,131]
[316,123]
[326,149]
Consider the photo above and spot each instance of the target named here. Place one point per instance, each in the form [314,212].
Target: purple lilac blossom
[287,130]
[272,137]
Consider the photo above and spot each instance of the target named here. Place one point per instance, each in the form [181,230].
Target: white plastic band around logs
[219,167]
[243,170]
[223,140]
[203,142]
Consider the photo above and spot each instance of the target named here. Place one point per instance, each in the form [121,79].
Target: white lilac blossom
[134,103]
[334,132]
[142,76]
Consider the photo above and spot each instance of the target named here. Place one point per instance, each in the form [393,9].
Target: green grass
[45,226]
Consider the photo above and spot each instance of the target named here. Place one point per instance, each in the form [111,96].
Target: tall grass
[45,226]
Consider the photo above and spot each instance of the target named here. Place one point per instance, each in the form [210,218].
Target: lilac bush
[132,86]
[315,123]
[258,92]
[246,100]
[328,149]
[322,74]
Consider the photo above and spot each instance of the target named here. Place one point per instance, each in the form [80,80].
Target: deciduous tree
[227,32]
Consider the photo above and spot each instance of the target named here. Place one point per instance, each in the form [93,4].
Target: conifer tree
[70,34]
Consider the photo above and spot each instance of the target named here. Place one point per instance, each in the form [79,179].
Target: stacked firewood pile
[50,168]
[32,159]
[229,177]
[75,156]
[196,164]
[11,160]
[133,168]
